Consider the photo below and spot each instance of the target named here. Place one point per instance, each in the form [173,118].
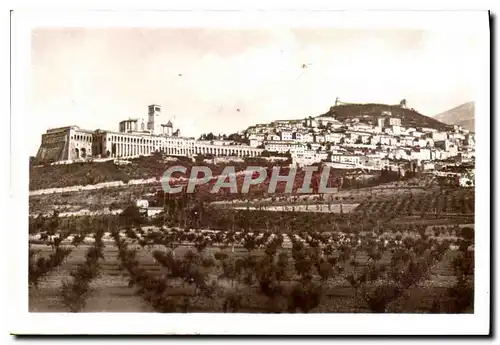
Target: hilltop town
[366,136]
[349,136]
[358,142]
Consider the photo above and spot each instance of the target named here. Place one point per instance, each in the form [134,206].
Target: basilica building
[134,138]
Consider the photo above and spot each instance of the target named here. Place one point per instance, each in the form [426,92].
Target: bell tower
[154,112]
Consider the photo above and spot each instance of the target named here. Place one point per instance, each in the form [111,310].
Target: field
[225,271]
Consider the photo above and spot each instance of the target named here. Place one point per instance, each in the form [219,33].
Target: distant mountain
[369,113]
[462,115]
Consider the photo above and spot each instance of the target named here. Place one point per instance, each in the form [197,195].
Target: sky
[223,80]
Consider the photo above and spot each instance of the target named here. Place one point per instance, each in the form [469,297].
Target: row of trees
[426,204]
[381,272]
[74,293]
[154,289]
[272,281]
[40,266]
[231,137]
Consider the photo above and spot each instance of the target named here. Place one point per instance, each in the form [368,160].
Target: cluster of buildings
[351,144]
[355,144]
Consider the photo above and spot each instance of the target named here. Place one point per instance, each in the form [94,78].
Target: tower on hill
[154,112]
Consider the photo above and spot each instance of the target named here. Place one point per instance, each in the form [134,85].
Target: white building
[346,159]
[422,154]
[388,140]
[286,135]
[255,142]
[334,137]
[320,138]
[308,157]
[142,203]
[297,136]
[394,121]
[448,146]
[400,153]
[256,139]
[439,136]
[330,122]
[280,146]
[307,138]
[396,130]
[362,127]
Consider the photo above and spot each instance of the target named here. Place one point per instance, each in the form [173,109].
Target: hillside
[90,173]
[462,115]
[147,167]
[369,113]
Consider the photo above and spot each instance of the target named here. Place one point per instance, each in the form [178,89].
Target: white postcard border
[20,321]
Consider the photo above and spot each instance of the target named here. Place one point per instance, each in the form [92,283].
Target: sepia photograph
[251,164]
